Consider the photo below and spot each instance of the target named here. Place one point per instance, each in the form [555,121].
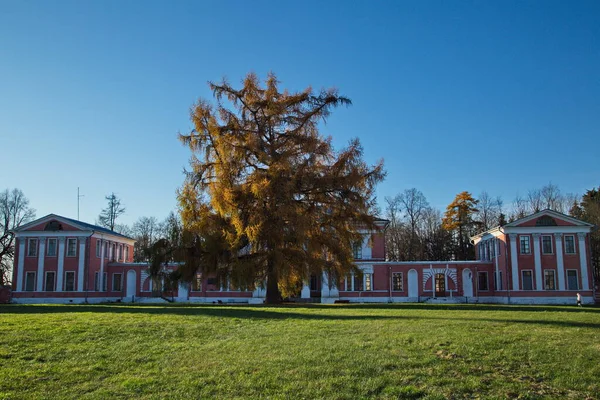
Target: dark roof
[93,227]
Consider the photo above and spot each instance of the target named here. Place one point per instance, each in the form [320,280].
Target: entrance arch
[467,278]
[131,284]
[413,283]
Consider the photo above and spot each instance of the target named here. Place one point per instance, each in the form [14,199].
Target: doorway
[440,285]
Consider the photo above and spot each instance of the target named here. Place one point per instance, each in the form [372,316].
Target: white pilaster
[537,259]
[101,276]
[80,269]
[305,294]
[585,285]
[61,264]
[110,252]
[41,257]
[498,281]
[21,264]
[560,264]
[514,261]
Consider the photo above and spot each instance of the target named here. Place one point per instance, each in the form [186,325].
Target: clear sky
[454,95]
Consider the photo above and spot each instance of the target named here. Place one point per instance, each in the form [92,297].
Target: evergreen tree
[267,196]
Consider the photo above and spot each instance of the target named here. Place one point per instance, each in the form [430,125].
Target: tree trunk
[273,294]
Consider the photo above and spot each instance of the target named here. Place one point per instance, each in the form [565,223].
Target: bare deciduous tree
[489,211]
[113,210]
[14,211]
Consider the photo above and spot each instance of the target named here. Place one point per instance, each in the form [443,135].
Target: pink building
[543,258]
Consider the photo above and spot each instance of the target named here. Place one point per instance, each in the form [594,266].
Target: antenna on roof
[78,197]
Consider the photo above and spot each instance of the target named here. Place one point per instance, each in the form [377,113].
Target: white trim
[577,279]
[67,246]
[548,229]
[551,213]
[560,263]
[21,266]
[57,234]
[64,289]
[522,286]
[45,289]
[585,285]
[554,274]
[80,266]
[41,258]
[514,261]
[34,282]
[48,240]
[537,260]
[60,264]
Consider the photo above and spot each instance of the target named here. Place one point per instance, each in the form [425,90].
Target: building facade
[540,259]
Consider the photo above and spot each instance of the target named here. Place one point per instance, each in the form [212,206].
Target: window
[357,250]
[117,282]
[30,282]
[98,248]
[126,253]
[51,252]
[120,252]
[397,282]
[32,247]
[197,283]
[314,282]
[493,248]
[71,247]
[114,252]
[106,250]
[69,281]
[482,281]
[572,279]
[358,283]
[547,244]
[368,281]
[50,281]
[104,282]
[570,244]
[499,246]
[211,281]
[527,280]
[498,280]
[525,245]
[549,279]
[97,282]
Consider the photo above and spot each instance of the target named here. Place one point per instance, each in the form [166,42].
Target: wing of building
[543,258]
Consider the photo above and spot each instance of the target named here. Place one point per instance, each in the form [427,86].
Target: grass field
[299,352]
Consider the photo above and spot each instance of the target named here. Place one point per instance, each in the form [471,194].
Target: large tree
[14,211]
[459,220]
[589,210]
[270,189]
[114,209]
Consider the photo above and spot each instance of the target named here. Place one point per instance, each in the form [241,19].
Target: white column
[537,259]
[21,264]
[324,285]
[498,281]
[110,252]
[585,284]
[80,269]
[486,250]
[514,261]
[41,257]
[61,264]
[101,277]
[305,294]
[560,265]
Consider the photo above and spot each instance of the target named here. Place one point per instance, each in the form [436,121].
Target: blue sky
[453,95]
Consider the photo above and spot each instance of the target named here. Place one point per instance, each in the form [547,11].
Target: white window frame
[113,282]
[71,240]
[576,276]
[487,281]
[394,274]
[55,247]
[66,280]
[126,253]
[29,273]
[554,276]
[521,238]
[34,247]
[574,246]
[523,280]
[551,244]
[46,281]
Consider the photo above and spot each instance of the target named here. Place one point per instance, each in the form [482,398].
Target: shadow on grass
[291,312]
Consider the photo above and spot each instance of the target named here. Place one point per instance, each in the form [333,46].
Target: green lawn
[299,352]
